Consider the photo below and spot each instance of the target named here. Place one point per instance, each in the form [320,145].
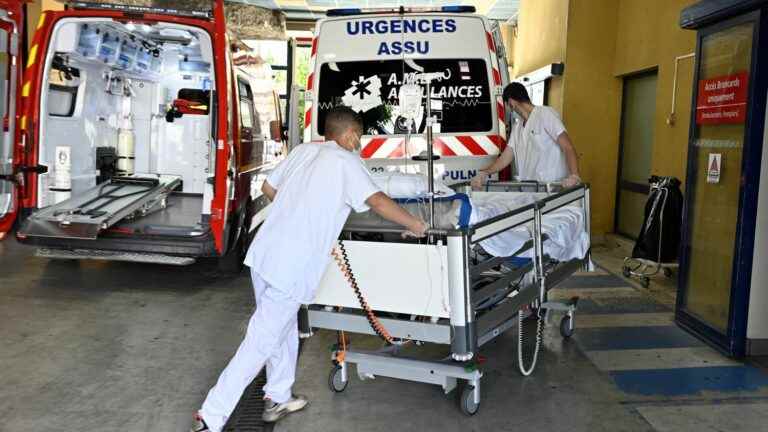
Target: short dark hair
[516,92]
[341,118]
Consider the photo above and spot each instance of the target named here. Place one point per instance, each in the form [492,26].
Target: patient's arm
[389,210]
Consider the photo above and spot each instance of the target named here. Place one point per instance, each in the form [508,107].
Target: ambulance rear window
[461,101]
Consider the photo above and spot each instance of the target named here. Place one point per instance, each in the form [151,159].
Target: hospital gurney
[445,290]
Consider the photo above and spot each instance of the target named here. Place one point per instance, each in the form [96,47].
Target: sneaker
[275,411]
[199,424]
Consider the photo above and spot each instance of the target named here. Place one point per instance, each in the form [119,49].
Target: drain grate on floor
[247,414]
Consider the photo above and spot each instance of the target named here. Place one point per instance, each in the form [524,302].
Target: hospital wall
[592,101]
[650,37]
[601,42]
[540,40]
[34,9]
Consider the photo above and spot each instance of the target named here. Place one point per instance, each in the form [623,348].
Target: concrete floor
[97,346]
[101,346]
[627,368]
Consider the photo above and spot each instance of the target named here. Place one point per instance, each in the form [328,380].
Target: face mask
[357,146]
[516,117]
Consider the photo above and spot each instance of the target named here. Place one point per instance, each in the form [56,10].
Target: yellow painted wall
[509,36]
[600,41]
[649,36]
[33,13]
[541,36]
[541,40]
[592,101]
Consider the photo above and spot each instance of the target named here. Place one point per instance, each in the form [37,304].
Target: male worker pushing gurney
[312,194]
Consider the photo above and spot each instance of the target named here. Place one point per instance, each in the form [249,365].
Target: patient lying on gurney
[565,229]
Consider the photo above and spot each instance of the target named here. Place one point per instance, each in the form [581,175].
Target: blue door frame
[733,342]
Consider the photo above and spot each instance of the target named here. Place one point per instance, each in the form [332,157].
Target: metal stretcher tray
[85,215]
[486,295]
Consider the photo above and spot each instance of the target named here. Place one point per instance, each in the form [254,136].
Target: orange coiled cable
[340,256]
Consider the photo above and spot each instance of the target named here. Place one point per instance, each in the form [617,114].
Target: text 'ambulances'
[398,26]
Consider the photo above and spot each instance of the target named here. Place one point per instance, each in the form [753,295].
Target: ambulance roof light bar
[401,10]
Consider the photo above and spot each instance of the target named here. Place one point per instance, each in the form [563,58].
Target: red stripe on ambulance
[310,79]
[498,140]
[491,45]
[370,149]
[443,149]
[397,152]
[466,145]
[472,145]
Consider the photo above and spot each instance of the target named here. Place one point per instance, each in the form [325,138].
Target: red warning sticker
[722,100]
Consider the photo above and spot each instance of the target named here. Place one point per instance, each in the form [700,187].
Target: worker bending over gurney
[538,144]
[312,194]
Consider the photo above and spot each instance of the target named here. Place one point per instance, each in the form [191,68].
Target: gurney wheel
[566,326]
[625,271]
[667,272]
[645,281]
[334,380]
[467,401]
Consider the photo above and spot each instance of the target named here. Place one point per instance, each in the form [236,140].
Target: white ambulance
[360,58]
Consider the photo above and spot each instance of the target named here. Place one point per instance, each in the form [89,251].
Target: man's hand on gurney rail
[418,232]
[504,160]
[571,180]
[479,180]
[389,210]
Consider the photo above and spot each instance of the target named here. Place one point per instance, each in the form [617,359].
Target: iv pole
[427,78]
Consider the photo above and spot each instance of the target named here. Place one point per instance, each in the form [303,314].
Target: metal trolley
[643,268]
[487,297]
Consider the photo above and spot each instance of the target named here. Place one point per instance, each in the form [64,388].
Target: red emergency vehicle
[11,30]
[138,138]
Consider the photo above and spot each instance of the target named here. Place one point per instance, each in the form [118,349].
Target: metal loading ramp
[84,216]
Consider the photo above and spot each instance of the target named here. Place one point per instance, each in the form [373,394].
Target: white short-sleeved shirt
[537,154]
[318,184]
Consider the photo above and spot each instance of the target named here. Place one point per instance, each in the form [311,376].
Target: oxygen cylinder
[126,151]
[61,186]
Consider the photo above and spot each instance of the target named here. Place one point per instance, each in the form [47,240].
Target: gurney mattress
[564,228]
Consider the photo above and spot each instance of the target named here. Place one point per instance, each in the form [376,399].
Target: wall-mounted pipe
[671,118]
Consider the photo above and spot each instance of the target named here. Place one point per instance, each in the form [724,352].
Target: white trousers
[272,338]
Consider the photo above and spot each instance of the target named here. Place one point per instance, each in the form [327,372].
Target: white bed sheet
[565,227]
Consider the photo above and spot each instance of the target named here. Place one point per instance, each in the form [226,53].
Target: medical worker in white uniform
[312,193]
[538,144]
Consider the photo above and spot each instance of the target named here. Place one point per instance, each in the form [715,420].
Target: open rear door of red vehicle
[10,70]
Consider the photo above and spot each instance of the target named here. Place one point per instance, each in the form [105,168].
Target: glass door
[714,181]
[637,120]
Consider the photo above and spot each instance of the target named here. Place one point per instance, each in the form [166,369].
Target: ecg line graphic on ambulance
[326,105]
[464,103]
